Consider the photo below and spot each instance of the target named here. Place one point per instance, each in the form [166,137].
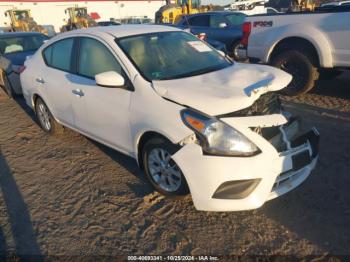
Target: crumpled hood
[224,91]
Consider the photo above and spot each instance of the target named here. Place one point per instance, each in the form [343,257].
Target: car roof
[18,34]
[119,31]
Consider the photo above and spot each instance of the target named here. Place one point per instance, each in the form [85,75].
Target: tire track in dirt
[83,198]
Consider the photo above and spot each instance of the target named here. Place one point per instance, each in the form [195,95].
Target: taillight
[247,27]
[202,36]
[18,68]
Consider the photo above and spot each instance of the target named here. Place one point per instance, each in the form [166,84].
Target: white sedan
[194,120]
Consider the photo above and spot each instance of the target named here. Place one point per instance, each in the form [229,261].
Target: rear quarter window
[58,55]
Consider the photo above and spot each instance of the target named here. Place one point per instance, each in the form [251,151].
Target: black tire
[53,128]
[149,148]
[7,86]
[302,66]
[329,74]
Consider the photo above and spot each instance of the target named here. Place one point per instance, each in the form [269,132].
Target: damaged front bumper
[241,183]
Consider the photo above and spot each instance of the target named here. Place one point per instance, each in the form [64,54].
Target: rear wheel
[301,66]
[45,118]
[161,170]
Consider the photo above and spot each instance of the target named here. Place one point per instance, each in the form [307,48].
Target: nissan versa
[194,120]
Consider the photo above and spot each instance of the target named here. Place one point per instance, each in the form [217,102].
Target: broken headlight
[216,137]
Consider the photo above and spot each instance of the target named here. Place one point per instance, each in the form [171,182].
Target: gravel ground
[72,196]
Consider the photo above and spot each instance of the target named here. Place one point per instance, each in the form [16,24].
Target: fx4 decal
[262,24]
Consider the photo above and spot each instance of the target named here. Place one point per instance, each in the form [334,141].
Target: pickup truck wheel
[161,170]
[46,121]
[301,67]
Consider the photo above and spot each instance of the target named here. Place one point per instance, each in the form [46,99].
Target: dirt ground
[72,196]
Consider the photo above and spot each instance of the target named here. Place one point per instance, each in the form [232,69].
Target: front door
[100,112]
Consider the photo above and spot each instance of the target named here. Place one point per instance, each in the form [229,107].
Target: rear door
[54,80]
[220,29]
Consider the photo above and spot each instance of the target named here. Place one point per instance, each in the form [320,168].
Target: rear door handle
[78,92]
[40,80]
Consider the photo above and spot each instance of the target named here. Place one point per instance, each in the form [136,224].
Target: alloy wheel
[44,116]
[163,170]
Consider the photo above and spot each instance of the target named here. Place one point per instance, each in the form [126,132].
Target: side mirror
[110,79]
[222,25]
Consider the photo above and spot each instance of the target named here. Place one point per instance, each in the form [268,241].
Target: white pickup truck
[305,44]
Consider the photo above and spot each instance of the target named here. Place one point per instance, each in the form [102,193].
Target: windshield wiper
[196,72]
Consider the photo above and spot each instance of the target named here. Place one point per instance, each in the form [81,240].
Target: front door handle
[78,92]
[40,80]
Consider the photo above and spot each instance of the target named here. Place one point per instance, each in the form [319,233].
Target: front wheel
[161,170]
[301,66]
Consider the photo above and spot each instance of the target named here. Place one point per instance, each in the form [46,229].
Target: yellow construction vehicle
[78,18]
[303,5]
[171,13]
[22,20]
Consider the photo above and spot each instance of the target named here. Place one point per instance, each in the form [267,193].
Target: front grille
[274,134]
[284,177]
[301,159]
[266,104]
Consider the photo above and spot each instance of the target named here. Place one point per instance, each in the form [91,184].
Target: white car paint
[328,32]
[234,88]
[156,106]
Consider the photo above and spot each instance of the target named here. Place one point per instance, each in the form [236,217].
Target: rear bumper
[277,173]
[15,82]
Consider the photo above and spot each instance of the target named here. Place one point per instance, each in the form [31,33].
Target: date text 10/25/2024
[173,258]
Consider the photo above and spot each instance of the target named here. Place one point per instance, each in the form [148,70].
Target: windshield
[171,55]
[18,44]
[20,15]
[81,12]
